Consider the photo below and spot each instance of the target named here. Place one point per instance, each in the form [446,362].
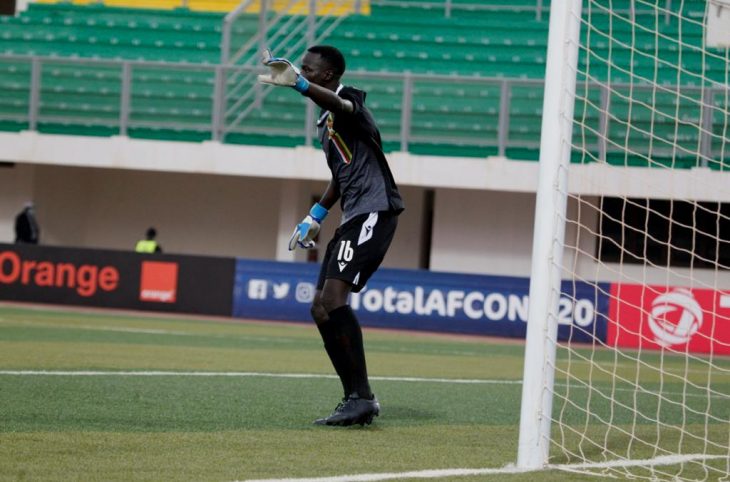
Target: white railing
[130,92]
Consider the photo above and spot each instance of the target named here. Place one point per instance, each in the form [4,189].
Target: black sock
[349,345]
[327,331]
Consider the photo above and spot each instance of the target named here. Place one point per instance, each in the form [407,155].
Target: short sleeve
[356,96]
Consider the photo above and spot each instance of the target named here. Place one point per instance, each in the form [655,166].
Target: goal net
[642,228]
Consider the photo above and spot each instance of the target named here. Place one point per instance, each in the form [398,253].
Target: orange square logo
[159,282]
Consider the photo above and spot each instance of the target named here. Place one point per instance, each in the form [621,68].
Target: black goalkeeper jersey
[352,145]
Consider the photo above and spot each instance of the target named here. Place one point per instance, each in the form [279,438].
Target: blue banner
[420,300]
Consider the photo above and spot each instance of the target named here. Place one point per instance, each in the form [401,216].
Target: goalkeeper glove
[283,73]
[307,230]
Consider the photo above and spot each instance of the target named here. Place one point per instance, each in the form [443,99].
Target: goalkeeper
[370,202]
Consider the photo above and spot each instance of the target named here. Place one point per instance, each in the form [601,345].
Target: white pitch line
[98,373]
[457,381]
[144,331]
[660,460]
[159,373]
[509,469]
[417,474]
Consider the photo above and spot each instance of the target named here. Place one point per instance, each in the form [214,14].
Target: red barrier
[680,319]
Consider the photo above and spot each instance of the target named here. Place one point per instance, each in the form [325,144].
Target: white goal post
[551,203]
[633,213]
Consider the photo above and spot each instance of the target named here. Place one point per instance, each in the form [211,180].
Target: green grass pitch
[248,416]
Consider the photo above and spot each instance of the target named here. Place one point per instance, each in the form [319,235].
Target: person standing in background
[26,226]
[149,244]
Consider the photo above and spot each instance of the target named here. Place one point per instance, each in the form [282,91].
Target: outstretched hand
[282,73]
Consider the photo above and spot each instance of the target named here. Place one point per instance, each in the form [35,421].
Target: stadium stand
[505,49]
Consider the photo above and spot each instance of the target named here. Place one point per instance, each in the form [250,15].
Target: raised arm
[315,80]
[327,99]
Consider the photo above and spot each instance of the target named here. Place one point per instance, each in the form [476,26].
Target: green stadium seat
[447,116]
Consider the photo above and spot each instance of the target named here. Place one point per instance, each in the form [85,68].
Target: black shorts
[357,249]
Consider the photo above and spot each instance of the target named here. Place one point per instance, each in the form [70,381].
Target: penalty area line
[159,373]
[103,373]
[583,468]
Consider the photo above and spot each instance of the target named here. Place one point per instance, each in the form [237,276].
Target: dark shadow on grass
[404,414]
[394,415]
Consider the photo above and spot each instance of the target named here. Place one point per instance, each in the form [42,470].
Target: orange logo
[159,282]
[86,279]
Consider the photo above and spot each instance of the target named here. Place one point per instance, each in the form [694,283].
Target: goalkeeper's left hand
[307,230]
[283,73]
